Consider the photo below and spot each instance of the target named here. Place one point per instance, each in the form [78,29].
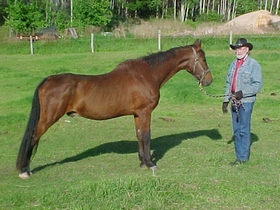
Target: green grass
[84,164]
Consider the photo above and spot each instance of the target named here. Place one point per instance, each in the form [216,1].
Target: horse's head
[197,65]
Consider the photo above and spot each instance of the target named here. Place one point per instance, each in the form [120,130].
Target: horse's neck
[164,71]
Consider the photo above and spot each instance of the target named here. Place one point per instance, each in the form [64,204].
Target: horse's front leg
[143,133]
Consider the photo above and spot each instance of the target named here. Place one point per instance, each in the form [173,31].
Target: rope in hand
[235,103]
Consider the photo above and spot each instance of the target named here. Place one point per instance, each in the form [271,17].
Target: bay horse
[132,88]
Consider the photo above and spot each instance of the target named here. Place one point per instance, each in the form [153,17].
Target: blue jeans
[241,125]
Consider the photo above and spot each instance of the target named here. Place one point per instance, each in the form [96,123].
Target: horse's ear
[197,44]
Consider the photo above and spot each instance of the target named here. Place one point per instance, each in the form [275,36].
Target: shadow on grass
[254,138]
[159,145]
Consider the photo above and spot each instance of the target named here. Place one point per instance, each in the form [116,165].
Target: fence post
[31,45]
[92,43]
[159,40]
[230,38]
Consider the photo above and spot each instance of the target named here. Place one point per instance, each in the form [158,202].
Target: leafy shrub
[210,17]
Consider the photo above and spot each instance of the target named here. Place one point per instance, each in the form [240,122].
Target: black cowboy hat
[240,43]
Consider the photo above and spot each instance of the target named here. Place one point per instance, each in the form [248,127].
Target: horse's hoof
[24,175]
[154,168]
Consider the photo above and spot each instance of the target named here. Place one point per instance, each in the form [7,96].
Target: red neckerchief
[238,63]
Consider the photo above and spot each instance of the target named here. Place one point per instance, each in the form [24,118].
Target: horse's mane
[159,57]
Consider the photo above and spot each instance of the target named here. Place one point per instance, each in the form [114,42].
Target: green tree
[24,17]
[91,12]
[246,6]
[3,14]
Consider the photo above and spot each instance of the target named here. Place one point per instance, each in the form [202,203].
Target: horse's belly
[104,116]
[104,112]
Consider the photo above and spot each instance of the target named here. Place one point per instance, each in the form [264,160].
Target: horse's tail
[26,149]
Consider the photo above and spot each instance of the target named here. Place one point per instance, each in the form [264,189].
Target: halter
[195,64]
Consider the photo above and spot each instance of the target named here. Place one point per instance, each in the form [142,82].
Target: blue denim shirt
[249,80]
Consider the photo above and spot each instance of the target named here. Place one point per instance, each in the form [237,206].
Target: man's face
[240,52]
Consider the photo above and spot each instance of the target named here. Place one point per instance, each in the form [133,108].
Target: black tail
[26,150]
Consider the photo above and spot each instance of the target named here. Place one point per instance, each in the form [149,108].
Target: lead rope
[235,103]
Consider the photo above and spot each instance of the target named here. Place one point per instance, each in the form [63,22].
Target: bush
[210,17]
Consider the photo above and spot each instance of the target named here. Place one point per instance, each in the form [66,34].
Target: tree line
[26,16]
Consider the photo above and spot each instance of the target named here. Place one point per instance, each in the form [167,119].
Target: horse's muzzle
[206,79]
[206,82]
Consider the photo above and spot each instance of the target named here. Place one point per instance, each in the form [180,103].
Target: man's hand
[238,95]
[224,107]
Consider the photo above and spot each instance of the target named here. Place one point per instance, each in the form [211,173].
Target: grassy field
[84,164]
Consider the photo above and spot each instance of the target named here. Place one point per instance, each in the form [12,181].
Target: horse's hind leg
[42,127]
[48,116]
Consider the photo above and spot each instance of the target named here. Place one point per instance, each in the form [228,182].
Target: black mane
[159,57]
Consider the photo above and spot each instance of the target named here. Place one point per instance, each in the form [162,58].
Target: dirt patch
[260,21]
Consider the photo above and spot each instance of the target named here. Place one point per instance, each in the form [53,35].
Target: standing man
[243,82]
